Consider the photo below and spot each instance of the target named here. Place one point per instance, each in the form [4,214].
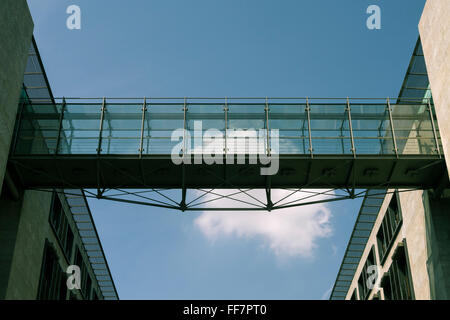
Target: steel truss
[304,197]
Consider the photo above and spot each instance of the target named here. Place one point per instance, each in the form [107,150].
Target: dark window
[56,212]
[88,287]
[69,243]
[386,285]
[363,281]
[86,281]
[52,284]
[73,296]
[389,227]
[78,258]
[396,282]
[354,296]
[61,227]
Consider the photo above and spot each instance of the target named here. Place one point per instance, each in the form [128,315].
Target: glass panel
[292,123]
[81,129]
[413,130]
[209,120]
[160,121]
[38,131]
[330,131]
[417,81]
[244,124]
[370,125]
[418,65]
[121,132]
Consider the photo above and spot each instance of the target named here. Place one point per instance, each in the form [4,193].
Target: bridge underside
[294,171]
[156,181]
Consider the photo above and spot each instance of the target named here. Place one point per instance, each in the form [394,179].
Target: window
[56,212]
[364,281]
[86,281]
[61,227]
[389,227]
[68,243]
[396,283]
[66,239]
[52,284]
[354,296]
[88,287]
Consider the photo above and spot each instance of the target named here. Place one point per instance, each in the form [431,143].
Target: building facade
[399,246]
[42,233]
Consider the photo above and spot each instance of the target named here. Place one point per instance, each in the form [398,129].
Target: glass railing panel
[38,129]
[81,128]
[160,121]
[244,124]
[206,125]
[413,129]
[292,124]
[369,124]
[330,131]
[121,132]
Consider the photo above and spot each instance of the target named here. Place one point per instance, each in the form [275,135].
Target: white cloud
[287,232]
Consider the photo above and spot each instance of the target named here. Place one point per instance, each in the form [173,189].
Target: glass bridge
[344,144]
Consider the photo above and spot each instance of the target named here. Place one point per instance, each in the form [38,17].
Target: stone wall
[434,28]
[16,30]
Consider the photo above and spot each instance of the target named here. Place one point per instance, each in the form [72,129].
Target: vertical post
[351,128]
[17,130]
[183,174]
[61,116]
[99,149]
[185,128]
[266,109]
[141,146]
[434,128]
[102,115]
[308,113]
[225,109]
[392,127]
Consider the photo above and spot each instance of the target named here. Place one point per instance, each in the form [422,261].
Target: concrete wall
[29,247]
[16,30]
[29,241]
[9,223]
[434,28]
[414,231]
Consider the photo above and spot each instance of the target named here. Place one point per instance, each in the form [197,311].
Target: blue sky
[316,48]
